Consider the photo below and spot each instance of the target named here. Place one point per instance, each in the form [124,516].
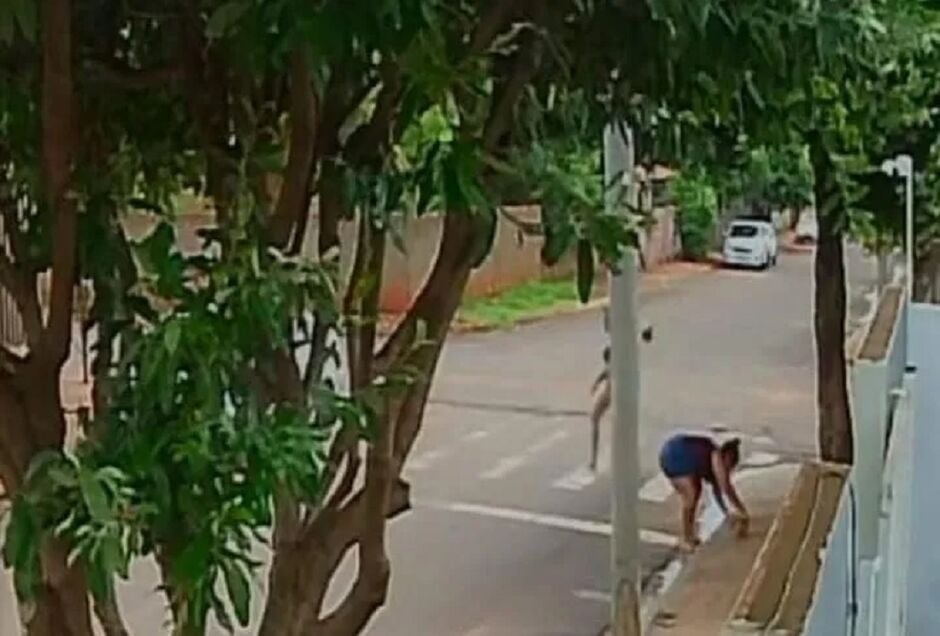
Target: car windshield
[743,231]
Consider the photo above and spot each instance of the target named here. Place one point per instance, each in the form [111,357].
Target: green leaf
[556,244]
[111,555]
[94,495]
[585,270]
[42,464]
[22,536]
[100,580]
[7,24]
[26,17]
[752,90]
[225,18]
[193,561]
[222,614]
[236,581]
[26,579]
[171,337]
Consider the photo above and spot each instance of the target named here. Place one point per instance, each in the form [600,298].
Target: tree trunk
[883,255]
[795,213]
[832,400]
[30,419]
[61,607]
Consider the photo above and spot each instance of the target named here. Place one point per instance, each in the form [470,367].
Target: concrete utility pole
[625,376]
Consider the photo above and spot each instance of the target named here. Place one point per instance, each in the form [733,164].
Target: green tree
[213,424]
[697,205]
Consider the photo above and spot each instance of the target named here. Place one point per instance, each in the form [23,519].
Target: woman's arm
[719,498]
[724,485]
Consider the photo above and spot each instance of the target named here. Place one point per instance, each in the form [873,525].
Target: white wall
[924,583]
[829,615]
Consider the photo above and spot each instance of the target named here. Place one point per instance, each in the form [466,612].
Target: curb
[558,312]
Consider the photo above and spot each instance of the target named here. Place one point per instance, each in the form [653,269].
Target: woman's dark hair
[731,451]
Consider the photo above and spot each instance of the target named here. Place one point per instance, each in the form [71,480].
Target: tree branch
[362,300]
[493,22]
[109,615]
[58,138]
[294,200]
[360,524]
[369,142]
[524,68]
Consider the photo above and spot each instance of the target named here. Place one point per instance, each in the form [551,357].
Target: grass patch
[520,303]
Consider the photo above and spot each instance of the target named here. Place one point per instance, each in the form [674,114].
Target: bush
[697,203]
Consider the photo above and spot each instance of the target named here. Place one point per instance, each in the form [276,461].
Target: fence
[11,326]
[862,588]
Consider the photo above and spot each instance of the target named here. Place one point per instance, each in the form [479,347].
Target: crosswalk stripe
[656,489]
[476,436]
[582,476]
[592,595]
[511,463]
[426,459]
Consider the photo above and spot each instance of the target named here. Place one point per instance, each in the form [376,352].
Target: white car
[750,244]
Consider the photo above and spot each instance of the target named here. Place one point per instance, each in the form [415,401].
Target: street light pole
[903,166]
[907,165]
[625,380]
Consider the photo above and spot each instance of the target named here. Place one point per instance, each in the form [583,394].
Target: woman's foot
[688,546]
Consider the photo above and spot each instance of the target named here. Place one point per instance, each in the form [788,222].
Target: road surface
[509,534]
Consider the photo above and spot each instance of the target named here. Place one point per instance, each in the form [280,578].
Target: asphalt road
[509,535]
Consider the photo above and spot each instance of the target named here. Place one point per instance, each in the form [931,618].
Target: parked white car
[750,244]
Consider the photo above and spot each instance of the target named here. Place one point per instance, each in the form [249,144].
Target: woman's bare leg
[601,404]
[690,491]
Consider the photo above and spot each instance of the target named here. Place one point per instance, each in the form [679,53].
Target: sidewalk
[702,597]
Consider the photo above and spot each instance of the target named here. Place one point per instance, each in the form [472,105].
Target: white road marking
[425,460]
[513,462]
[558,522]
[582,476]
[593,595]
[760,459]
[577,479]
[476,436]
[505,466]
[656,489]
